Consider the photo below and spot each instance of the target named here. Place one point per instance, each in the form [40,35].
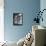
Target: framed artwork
[17,18]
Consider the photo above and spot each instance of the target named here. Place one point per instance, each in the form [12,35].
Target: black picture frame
[17,18]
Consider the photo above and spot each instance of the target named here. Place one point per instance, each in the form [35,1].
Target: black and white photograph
[17,18]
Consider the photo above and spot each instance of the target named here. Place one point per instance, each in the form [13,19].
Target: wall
[28,8]
[1,20]
[43,6]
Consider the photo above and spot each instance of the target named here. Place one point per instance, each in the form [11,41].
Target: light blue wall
[43,6]
[28,8]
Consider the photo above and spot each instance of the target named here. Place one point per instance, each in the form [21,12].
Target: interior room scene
[22,22]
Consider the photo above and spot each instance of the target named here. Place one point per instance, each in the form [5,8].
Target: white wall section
[1,20]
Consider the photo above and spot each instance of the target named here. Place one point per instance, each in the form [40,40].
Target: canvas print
[17,18]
